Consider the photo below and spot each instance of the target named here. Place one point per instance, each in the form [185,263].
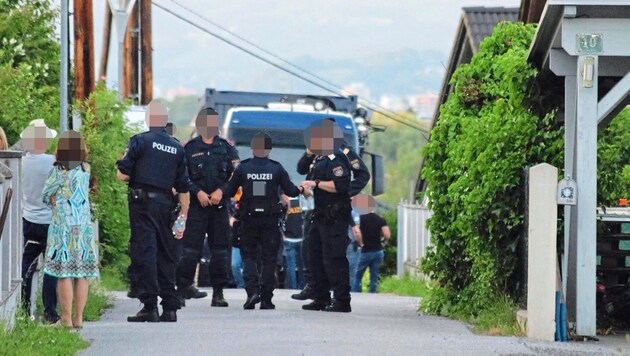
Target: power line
[223,28]
[221,38]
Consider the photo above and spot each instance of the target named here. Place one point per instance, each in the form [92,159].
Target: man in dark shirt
[372,254]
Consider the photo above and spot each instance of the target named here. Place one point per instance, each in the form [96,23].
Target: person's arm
[339,184]
[287,186]
[184,202]
[386,233]
[360,172]
[304,164]
[54,182]
[128,162]
[229,190]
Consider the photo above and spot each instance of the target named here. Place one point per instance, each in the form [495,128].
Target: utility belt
[332,212]
[139,195]
[261,208]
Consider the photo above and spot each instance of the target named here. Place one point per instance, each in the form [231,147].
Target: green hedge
[106,137]
[489,131]
[29,65]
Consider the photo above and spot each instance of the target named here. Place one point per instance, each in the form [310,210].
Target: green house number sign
[588,43]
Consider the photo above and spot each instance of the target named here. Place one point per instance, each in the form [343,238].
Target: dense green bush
[106,136]
[29,65]
[613,155]
[389,262]
[489,131]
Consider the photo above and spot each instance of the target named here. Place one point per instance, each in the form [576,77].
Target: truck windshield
[287,156]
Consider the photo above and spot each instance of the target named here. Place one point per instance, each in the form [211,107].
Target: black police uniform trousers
[260,233]
[329,268]
[214,221]
[305,249]
[153,251]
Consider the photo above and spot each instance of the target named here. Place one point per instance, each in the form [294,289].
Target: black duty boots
[217,298]
[149,313]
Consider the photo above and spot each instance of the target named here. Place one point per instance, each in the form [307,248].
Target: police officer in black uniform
[211,161]
[153,164]
[328,235]
[360,176]
[259,210]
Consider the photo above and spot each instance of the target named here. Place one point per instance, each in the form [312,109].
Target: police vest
[157,166]
[260,190]
[208,164]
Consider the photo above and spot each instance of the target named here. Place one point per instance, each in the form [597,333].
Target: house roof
[480,22]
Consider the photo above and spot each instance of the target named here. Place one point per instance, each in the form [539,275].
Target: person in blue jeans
[292,231]
[372,228]
[353,251]
[236,261]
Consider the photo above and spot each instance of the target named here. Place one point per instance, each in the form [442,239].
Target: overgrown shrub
[487,133]
[29,65]
[388,267]
[613,160]
[106,136]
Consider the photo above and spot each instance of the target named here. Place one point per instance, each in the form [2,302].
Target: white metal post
[121,9]
[586,170]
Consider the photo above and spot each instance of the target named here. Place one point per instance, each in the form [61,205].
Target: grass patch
[97,302]
[31,338]
[406,286]
[497,318]
[112,278]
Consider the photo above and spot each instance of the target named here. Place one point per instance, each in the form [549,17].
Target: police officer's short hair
[261,136]
[200,120]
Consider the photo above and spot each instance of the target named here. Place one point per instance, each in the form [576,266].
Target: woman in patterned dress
[71,253]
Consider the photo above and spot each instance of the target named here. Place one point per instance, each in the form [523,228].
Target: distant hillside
[402,73]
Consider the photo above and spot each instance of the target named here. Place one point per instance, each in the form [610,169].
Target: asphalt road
[378,325]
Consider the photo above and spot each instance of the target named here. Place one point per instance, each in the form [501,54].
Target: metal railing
[11,237]
[413,238]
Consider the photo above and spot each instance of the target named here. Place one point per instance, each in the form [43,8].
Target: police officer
[327,238]
[360,176]
[211,161]
[260,211]
[153,164]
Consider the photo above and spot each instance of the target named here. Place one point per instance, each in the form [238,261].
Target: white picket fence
[11,238]
[413,238]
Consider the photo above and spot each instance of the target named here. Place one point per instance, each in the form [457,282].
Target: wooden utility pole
[531,10]
[146,53]
[130,57]
[107,35]
[83,49]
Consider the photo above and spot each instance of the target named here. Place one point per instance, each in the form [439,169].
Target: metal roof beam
[562,64]
[614,100]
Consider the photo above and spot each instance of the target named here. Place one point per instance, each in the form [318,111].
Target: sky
[187,60]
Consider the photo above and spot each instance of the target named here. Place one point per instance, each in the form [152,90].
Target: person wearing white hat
[36,216]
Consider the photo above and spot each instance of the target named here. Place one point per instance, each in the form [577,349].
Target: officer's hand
[180,234]
[306,192]
[308,184]
[216,196]
[204,198]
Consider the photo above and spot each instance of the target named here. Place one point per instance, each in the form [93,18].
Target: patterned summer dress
[72,251]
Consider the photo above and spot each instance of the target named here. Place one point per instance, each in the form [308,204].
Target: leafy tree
[400,147]
[488,132]
[106,137]
[29,65]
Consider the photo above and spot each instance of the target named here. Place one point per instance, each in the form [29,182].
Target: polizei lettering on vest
[165,148]
[259,176]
